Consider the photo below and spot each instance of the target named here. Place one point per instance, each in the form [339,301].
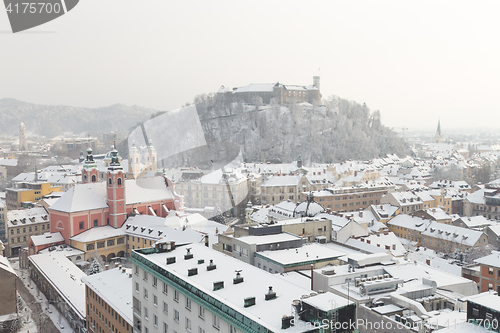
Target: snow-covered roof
[492,260]
[256,87]
[98,233]
[282,180]
[487,299]
[255,284]
[364,246]
[27,217]
[390,240]
[5,265]
[146,190]
[452,233]
[384,211]
[115,287]
[409,271]
[268,239]
[296,256]
[476,221]
[437,214]
[82,197]
[477,197]
[8,161]
[410,222]
[91,196]
[47,238]
[64,276]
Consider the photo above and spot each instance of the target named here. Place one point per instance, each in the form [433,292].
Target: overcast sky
[415,61]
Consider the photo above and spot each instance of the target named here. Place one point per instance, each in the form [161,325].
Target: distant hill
[337,131]
[54,120]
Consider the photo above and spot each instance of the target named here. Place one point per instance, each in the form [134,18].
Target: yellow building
[24,195]
[106,242]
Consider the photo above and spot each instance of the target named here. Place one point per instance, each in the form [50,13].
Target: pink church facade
[94,204]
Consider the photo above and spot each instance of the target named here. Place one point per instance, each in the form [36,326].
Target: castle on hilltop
[282,93]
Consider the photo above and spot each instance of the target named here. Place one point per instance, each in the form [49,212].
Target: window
[490,286]
[136,287]
[80,225]
[201,330]
[176,315]
[165,288]
[100,245]
[90,247]
[111,242]
[215,321]
[232,329]
[155,300]
[490,270]
[176,295]
[145,276]
[155,320]
[145,293]
[201,312]
[155,281]
[165,307]
[119,181]
[188,303]
[165,328]
[136,270]
[95,223]
[475,312]
[145,313]
[188,324]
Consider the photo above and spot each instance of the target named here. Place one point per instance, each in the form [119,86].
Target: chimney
[428,261]
[116,264]
[393,246]
[106,267]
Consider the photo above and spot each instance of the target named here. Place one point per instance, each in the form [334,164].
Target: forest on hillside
[338,130]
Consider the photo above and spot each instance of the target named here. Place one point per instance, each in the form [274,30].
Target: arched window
[84,178]
[94,179]
[110,181]
[59,225]
[119,181]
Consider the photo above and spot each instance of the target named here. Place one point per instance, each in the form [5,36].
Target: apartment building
[108,297]
[21,225]
[193,289]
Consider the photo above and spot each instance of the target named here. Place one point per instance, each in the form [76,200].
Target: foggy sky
[415,61]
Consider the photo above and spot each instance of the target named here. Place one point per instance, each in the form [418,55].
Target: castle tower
[116,191]
[316,82]
[22,137]
[134,161]
[89,171]
[438,138]
[151,157]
